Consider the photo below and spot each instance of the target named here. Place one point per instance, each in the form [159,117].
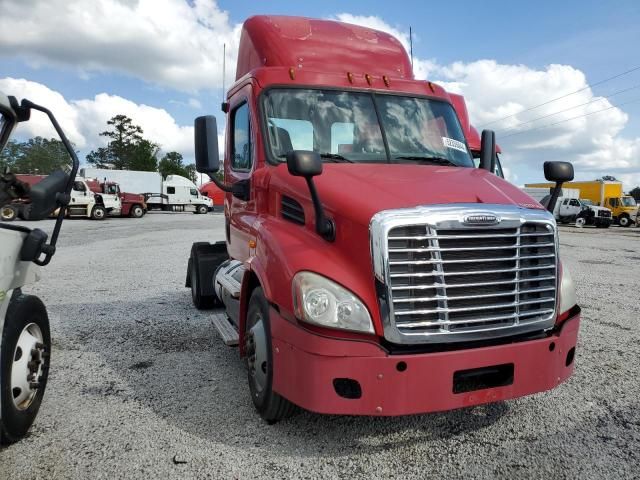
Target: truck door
[240,213]
[170,192]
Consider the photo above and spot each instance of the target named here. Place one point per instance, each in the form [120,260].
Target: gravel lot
[141,387]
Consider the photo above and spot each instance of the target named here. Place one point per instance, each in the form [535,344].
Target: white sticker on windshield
[455,144]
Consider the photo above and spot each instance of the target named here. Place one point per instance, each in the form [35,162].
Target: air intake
[292,210]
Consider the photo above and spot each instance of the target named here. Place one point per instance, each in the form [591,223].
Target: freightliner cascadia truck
[368,267]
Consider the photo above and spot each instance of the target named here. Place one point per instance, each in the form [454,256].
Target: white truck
[570,208]
[175,193]
[86,203]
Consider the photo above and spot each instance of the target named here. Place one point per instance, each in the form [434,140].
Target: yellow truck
[605,193]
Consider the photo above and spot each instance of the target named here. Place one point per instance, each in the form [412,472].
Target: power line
[569,119]
[563,96]
[597,99]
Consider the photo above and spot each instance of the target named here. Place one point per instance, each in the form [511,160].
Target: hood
[359,191]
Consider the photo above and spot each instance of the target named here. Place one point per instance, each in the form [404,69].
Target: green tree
[635,193]
[35,156]
[171,164]
[191,173]
[126,149]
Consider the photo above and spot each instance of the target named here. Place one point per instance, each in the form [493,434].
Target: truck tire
[26,346]
[202,209]
[624,220]
[259,359]
[201,302]
[8,213]
[98,213]
[137,211]
[580,222]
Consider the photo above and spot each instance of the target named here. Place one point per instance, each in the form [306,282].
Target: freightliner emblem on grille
[480,219]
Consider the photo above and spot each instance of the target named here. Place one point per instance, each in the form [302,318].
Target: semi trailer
[369,267]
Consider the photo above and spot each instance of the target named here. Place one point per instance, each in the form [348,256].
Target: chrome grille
[447,281]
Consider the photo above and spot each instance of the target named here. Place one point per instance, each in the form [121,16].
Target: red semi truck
[133,205]
[369,267]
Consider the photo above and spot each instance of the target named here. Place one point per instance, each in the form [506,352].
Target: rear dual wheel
[24,365]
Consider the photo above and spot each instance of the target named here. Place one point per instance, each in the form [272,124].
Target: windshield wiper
[336,157]
[427,158]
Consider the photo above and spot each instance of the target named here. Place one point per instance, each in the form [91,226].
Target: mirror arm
[50,248]
[555,193]
[325,227]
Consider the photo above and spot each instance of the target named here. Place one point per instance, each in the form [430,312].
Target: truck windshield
[344,127]
[586,202]
[628,202]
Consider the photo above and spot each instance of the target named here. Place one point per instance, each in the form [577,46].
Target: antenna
[224,63]
[411,45]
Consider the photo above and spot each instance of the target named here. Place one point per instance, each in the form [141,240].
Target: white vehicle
[130,181]
[179,194]
[85,203]
[582,212]
[25,342]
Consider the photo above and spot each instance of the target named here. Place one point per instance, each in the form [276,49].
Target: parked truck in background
[87,201]
[570,208]
[175,193]
[132,204]
[605,193]
[179,194]
[368,267]
[88,204]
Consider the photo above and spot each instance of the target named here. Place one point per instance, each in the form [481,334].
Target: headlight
[320,301]
[567,292]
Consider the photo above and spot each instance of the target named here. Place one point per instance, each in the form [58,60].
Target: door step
[227,331]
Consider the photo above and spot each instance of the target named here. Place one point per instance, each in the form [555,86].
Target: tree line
[126,149]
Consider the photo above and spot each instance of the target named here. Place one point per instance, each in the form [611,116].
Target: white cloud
[165,42]
[83,120]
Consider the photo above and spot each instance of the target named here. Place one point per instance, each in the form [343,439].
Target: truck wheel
[201,302]
[624,221]
[8,213]
[137,211]
[271,406]
[24,365]
[202,209]
[98,212]
[580,221]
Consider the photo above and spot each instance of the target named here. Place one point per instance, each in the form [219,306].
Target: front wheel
[202,209]
[24,365]
[98,213]
[580,222]
[624,221]
[259,359]
[8,213]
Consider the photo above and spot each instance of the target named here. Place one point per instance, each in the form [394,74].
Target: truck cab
[132,204]
[624,208]
[86,203]
[368,266]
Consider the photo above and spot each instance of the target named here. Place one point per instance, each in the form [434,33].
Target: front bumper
[306,365]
